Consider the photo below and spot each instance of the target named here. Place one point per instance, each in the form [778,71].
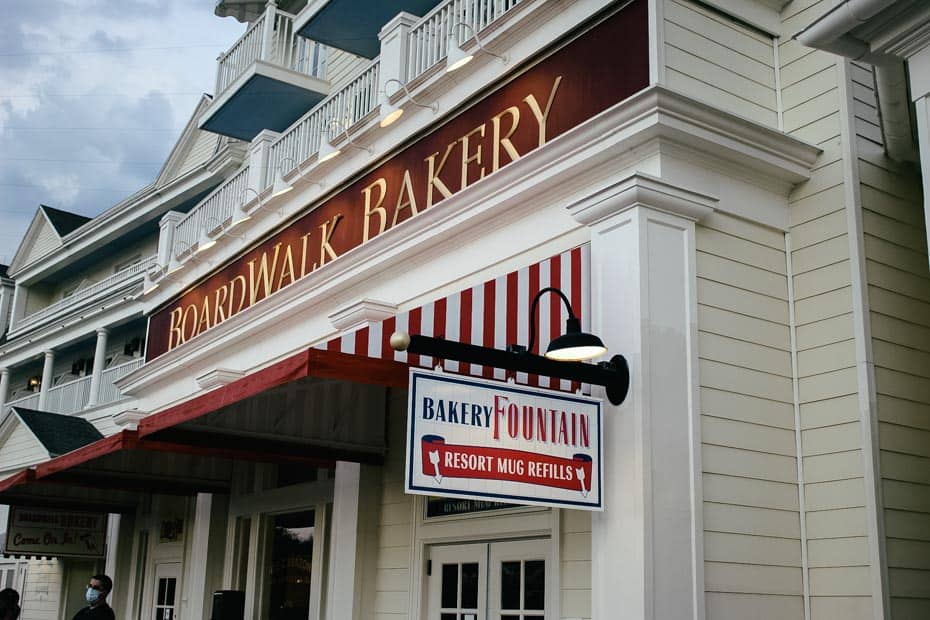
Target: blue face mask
[92,595]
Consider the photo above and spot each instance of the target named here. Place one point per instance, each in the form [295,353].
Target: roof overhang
[266,96]
[353,25]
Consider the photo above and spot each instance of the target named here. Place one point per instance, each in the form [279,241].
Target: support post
[647,550]
[166,228]
[394,50]
[100,359]
[4,385]
[48,367]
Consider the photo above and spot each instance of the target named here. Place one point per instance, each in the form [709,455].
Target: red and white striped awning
[493,314]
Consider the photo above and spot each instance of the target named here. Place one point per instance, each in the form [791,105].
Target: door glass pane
[169,593]
[510,585]
[450,585]
[534,593]
[162,588]
[470,585]
[291,566]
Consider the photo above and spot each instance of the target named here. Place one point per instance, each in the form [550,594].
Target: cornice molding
[641,190]
[361,313]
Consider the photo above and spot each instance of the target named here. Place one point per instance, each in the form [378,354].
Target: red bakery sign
[587,75]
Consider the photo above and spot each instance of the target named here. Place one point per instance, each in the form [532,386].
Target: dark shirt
[100,612]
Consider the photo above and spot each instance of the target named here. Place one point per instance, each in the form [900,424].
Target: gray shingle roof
[59,434]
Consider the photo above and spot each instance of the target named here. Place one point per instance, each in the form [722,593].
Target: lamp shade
[280,186]
[456,57]
[327,151]
[575,345]
[389,112]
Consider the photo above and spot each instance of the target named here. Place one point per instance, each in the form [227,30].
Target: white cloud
[93,94]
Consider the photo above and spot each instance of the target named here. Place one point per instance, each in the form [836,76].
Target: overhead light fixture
[281,186]
[456,57]
[391,112]
[243,213]
[175,262]
[572,346]
[328,150]
[207,240]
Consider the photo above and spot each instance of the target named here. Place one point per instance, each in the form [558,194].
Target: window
[291,565]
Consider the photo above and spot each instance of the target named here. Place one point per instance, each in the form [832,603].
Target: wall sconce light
[327,150]
[561,360]
[456,57]
[207,240]
[243,213]
[281,186]
[178,264]
[150,281]
[34,382]
[390,112]
[572,346]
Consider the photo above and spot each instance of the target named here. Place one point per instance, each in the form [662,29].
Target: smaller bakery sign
[487,440]
[55,533]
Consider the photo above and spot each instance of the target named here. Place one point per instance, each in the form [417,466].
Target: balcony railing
[124,277]
[428,44]
[428,41]
[270,38]
[73,396]
[215,209]
[341,109]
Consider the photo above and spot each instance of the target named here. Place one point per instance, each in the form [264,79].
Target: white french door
[167,576]
[489,581]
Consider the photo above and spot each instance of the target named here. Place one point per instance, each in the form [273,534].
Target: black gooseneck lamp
[564,358]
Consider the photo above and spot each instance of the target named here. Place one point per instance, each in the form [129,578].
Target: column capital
[49,353]
[4,371]
[103,331]
[642,190]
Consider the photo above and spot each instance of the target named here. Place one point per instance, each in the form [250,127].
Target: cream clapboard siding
[831,434]
[899,302]
[342,67]
[395,539]
[575,575]
[718,60]
[46,240]
[42,585]
[203,147]
[752,548]
[20,450]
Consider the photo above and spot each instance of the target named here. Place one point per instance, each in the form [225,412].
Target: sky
[93,95]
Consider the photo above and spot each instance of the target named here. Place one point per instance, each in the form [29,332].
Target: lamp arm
[548,289]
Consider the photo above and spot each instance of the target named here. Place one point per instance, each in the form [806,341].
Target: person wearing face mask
[96,596]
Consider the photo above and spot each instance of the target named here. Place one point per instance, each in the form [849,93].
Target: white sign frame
[473,465]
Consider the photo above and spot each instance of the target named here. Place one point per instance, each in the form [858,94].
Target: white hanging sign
[483,439]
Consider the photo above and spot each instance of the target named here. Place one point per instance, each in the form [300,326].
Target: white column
[356,500]
[647,554]
[260,176]
[204,573]
[166,227]
[4,385]
[100,358]
[393,58]
[47,370]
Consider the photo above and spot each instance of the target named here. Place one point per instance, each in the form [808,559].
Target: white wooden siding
[46,240]
[20,450]
[42,585]
[752,548]
[392,582]
[719,60]
[202,149]
[342,67]
[831,434]
[575,566]
[899,299]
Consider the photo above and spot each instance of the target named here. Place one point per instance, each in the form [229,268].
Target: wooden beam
[99,448]
[24,477]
